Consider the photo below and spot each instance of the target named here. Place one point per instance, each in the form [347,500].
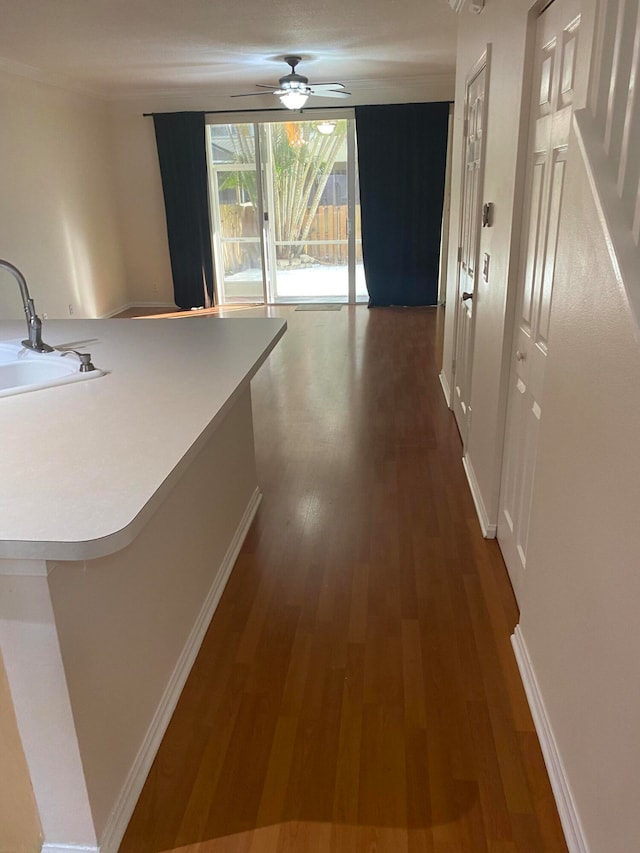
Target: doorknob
[520,356]
[466,296]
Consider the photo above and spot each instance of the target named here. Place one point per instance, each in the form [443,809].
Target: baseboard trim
[569,818]
[489,530]
[137,305]
[68,848]
[121,815]
[445,387]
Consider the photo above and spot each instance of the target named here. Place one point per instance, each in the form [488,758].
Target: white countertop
[83,466]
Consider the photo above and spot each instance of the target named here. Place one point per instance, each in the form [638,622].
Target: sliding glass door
[285,212]
[235,193]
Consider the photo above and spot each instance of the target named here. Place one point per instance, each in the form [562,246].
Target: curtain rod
[258,110]
[282,109]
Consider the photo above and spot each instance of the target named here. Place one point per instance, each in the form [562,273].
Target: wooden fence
[329,223]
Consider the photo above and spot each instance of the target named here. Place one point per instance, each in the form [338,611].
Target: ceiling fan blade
[329,93]
[327,85]
[265,86]
[250,94]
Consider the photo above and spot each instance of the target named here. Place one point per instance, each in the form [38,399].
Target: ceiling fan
[294,89]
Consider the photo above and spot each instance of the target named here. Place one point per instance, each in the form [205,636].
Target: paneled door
[551,108]
[474,122]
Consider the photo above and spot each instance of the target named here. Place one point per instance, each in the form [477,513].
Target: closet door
[469,240]
[551,108]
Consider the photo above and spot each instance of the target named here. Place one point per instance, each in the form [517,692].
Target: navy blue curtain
[183,166]
[402,153]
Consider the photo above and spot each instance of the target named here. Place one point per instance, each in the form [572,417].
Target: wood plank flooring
[356,691]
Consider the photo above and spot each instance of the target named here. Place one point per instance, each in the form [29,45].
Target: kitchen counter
[85,465]
[124,503]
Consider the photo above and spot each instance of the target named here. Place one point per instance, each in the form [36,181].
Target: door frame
[352,166]
[484,62]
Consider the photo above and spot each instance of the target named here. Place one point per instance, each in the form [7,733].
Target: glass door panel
[237,237]
[308,212]
[236,213]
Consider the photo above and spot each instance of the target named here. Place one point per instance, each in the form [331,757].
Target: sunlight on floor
[317,837]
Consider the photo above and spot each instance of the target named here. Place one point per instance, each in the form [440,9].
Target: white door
[469,240]
[551,107]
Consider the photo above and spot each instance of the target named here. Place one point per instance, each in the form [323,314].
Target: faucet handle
[34,324]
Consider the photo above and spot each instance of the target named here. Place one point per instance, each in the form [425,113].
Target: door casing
[470,219]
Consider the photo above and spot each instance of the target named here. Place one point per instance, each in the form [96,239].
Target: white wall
[578,603]
[582,584]
[141,207]
[58,217]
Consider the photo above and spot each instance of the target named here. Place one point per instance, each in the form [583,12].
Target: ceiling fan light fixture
[326,127]
[293,100]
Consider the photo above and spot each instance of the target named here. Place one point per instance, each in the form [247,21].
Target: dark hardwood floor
[357,690]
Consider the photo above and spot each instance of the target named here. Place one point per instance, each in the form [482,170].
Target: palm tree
[302,159]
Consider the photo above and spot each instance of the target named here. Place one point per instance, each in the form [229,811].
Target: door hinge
[453,365]
[459,254]
[265,216]
[465,130]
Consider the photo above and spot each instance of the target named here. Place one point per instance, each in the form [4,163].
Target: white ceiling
[121,49]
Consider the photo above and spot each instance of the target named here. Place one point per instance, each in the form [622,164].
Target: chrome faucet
[34,323]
